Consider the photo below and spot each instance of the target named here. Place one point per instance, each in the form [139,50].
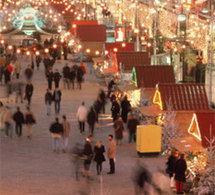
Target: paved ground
[30,166]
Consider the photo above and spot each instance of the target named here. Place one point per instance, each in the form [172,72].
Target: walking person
[56,130]
[57,99]
[125,107]
[28,73]
[118,129]
[8,119]
[56,77]
[17,68]
[18,117]
[80,75]
[111,154]
[99,151]
[82,117]
[102,97]
[66,76]
[171,166]
[48,101]
[49,76]
[132,127]
[91,119]
[29,92]
[72,75]
[38,61]
[66,131]
[115,109]
[29,121]
[88,154]
[180,169]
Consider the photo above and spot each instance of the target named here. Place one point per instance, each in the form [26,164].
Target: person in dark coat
[57,99]
[7,76]
[56,77]
[125,108]
[38,60]
[99,151]
[56,130]
[80,75]
[66,76]
[180,169]
[48,101]
[72,75]
[50,77]
[102,97]
[110,87]
[29,92]
[118,129]
[28,73]
[171,163]
[91,119]
[88,154]
[97,106]
[18,117]
[132,127]
[115,109]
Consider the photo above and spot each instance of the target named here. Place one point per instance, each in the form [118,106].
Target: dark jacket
[115,109]
[99,154]
[56,76]
[180,168]
[50,75]
[91,117]
[66,72]
[57,95]
[132,125]
[126,107]
[171,165]
[80,74]
[56,127]
[18,117]
[48,98]
[118,128]
[88,151]
[28,73]
[72,74]
[29,90]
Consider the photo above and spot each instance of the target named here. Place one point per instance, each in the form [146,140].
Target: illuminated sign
[157,99]
[194,128]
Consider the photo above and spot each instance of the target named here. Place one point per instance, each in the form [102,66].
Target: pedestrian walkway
[29,167]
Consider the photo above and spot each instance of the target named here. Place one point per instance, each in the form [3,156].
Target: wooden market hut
[182,97]
[127,60]
[150,76]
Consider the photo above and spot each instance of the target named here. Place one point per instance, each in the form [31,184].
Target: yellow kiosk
[148,139]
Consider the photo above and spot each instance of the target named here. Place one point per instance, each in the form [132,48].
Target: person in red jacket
[83,67]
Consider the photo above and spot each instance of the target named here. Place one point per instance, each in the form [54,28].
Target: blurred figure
[28,73]
[2,66]
[118,129]
[66,131]
[180,169]
[29,121]
[18,86]
[82,117]
[56,77]
[48,101]
[56,130]
[102,97]
[17,68]
[8,119]
[29,91]
[111,154]
[91,119]
[49,76]
[88,154]
[125,108]
[38,61]
[110,87]
[80,75]
[57,99]
[72,75]
[18,117]
[115,109]
[66,76]
[132,127]
[171,163]
[99,151]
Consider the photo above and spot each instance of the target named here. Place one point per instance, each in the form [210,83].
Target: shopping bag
[172,182]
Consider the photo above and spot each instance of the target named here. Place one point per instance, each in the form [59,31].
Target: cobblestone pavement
[30,166]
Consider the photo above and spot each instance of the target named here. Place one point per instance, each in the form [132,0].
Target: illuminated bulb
[74,26]
[4,27]
[2,41]
[88,50]
[149,44]
[79,46]
[54,46]
[28,53]
[37,53]
[123,45]
[136,30]
[106,52]
[46,50]
[10,47]
[18,51]
[115,49]
[175,49]
[97,52]
[183,46]
[142,38]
